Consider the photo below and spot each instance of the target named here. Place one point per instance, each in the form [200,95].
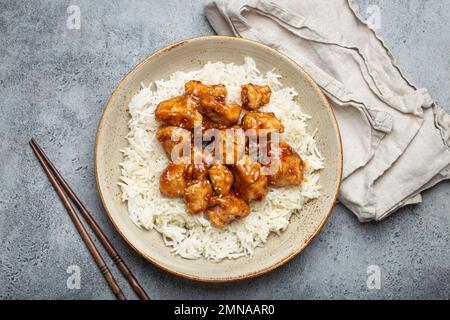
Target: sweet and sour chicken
[218,112]
[221,182]
[262,120]
[174,179]
[249,182]
[197,195]
[224,210]
[289,167]
[254,96]
[180,111]
[171,137]
[211,103]
[199,90]
[221,178]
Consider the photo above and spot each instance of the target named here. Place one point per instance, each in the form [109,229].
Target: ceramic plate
[193,54]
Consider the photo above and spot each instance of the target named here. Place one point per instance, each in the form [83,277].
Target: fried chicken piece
[262,120]
[289,167]
[223,114]
[229,145]
[261,128]
[199,162]
[209,124]
[174,179]
[180,111]
[197,195]
[249,183]
[221,178]
[200,90]
[223,210]
[254,96]
[170,137]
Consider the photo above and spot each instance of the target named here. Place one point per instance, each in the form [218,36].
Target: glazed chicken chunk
[180,111]
[221,178]
[209,124]
[174,179]
[224,210]
[170,137]
[229,145]
[254,96]
[200,90]
[199,163]
[249,183]
[289,167]
[223,114]
[262,120]
[197,195]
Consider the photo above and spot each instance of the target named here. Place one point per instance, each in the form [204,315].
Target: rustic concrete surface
[53,85]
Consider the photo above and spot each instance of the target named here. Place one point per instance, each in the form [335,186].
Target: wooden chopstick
[79,226]
[112,252]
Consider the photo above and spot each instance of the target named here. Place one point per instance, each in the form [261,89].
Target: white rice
[193,236]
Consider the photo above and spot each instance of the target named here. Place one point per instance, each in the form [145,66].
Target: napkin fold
[396,139]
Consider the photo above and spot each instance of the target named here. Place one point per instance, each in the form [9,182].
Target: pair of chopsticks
[62,188]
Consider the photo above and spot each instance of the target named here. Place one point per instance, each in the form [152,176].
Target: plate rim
[247,275]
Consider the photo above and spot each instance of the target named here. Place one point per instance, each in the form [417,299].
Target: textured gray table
[53,84]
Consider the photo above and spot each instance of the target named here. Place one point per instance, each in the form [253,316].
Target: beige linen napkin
[396,140]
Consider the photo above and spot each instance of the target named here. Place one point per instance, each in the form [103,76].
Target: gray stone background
[54,83]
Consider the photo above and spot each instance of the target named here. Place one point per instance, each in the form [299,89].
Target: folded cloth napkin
[396,139]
